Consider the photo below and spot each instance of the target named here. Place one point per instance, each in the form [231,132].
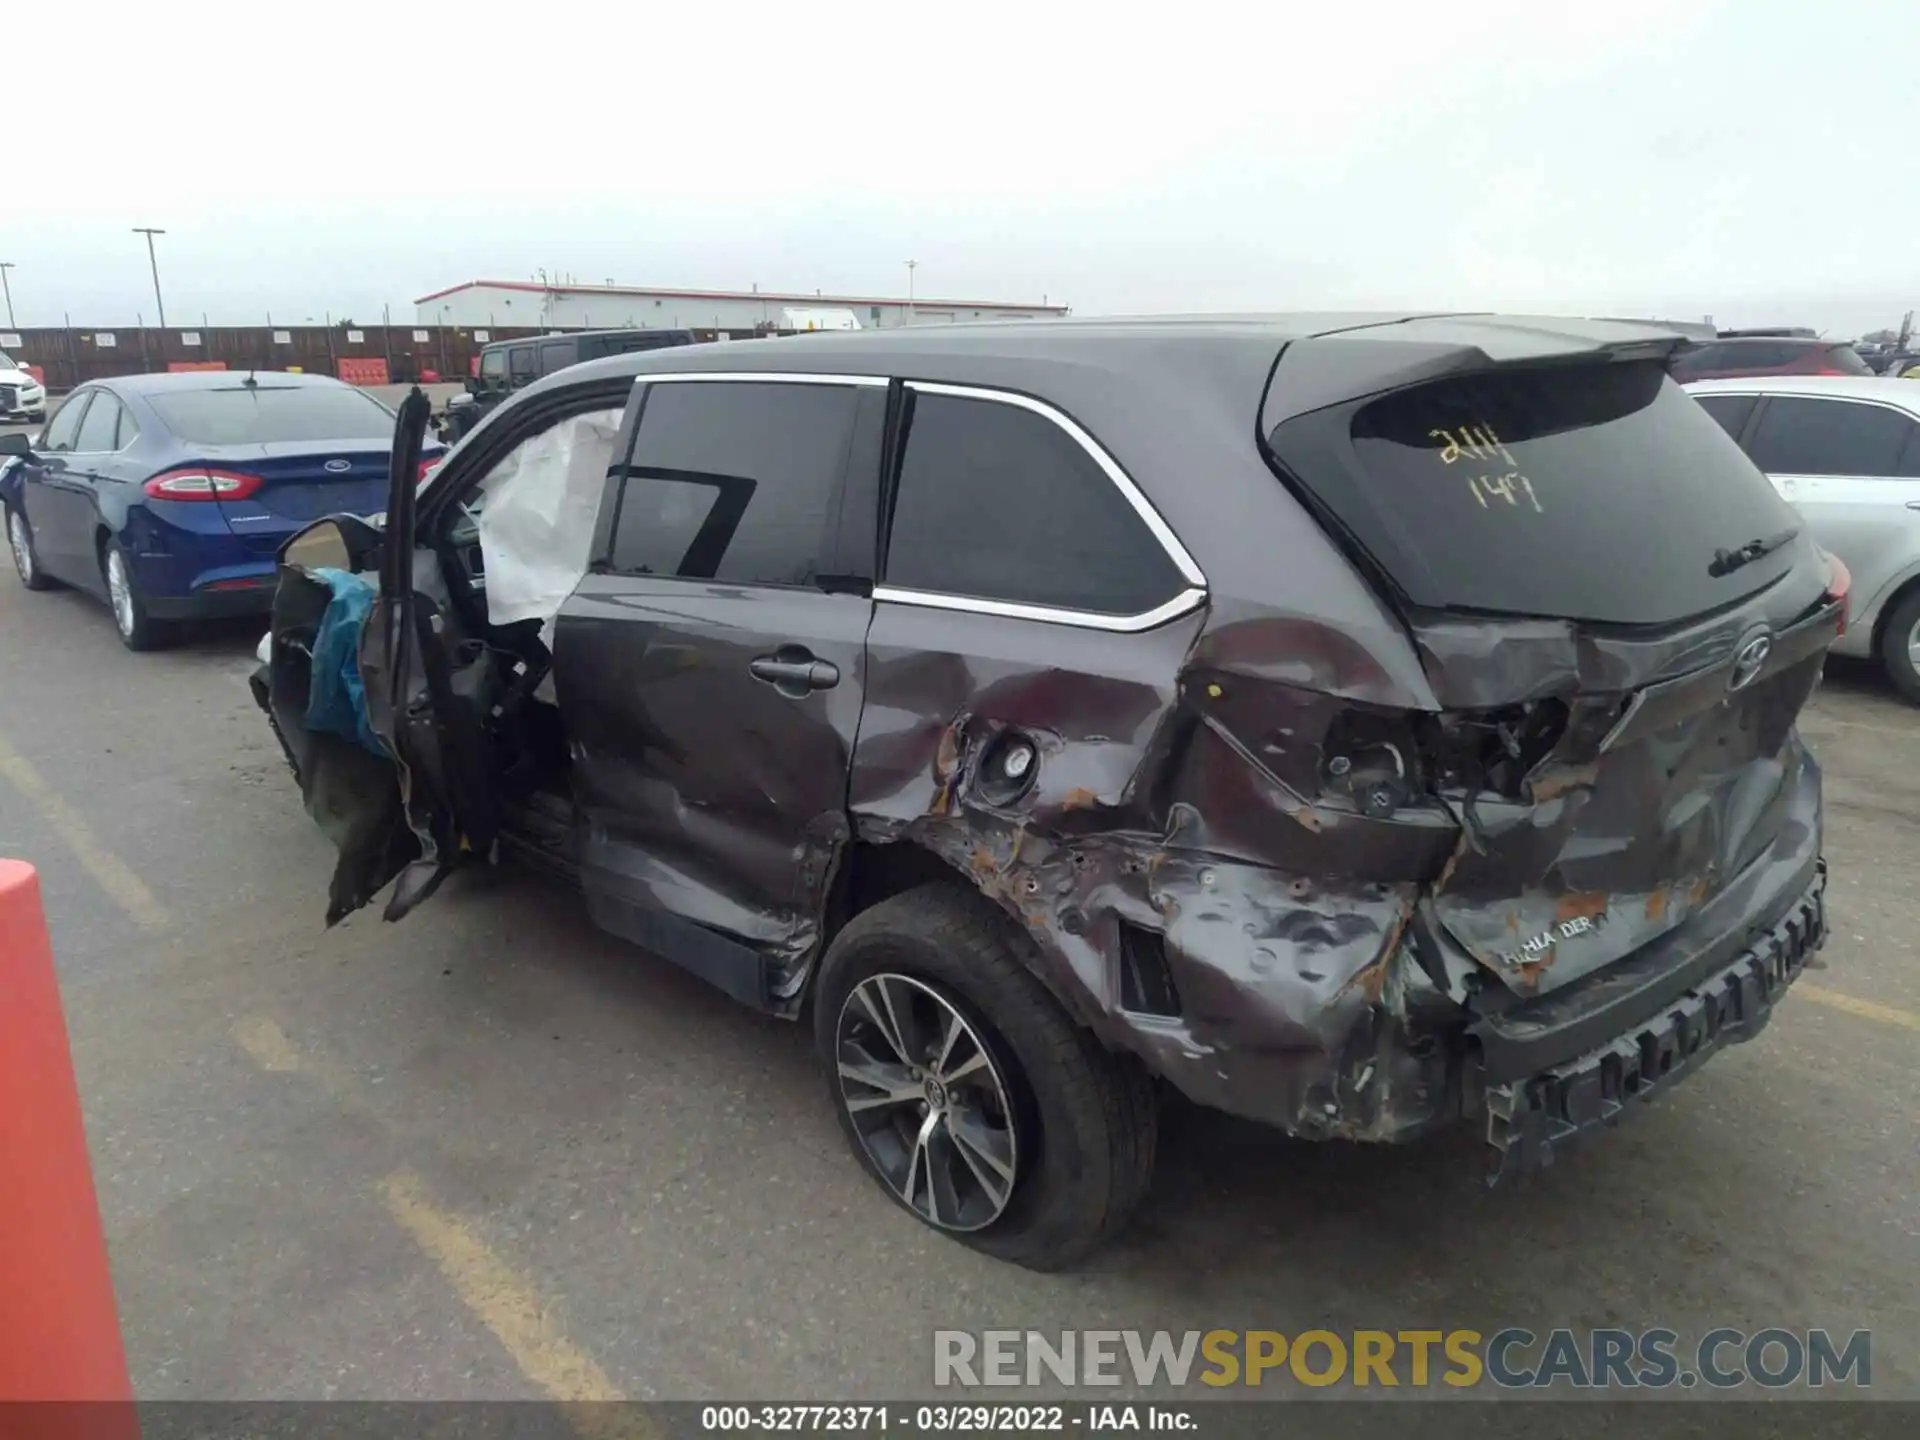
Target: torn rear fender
[1296,1002]
[1167,865]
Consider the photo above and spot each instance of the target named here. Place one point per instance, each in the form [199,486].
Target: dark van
[510,365]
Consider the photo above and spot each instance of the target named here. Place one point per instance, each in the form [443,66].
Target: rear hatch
[1619,619]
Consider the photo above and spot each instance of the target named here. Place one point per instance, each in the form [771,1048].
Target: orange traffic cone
[59,1333]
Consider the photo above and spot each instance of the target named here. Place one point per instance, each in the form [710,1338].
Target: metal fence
[364,354]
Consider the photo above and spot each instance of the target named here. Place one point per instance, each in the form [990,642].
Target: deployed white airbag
[537,514]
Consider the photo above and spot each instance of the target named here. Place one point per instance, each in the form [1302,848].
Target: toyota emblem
[338,467]
[1749,660]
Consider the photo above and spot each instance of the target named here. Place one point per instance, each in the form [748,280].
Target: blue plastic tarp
[336,696]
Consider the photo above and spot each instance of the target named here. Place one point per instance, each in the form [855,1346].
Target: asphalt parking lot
[492,1153]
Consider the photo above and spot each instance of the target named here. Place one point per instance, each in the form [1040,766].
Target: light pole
[150,232]
[912,265]
[5,266]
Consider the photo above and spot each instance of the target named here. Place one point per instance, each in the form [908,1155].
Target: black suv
[510,365]
[1358,725]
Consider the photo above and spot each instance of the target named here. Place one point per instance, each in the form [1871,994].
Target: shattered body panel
[1144,814]
[1328,963]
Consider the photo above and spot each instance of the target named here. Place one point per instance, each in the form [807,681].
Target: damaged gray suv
[1360,724]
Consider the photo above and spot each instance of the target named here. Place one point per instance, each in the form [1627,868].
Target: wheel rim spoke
[970,1066]
[122,592]
[951,1155]
[987,1153]
[921,1173]
[878,1004]
[1913,646]
[954,1030]
[888,1084]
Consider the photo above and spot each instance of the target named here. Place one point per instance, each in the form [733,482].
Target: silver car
[1845,451]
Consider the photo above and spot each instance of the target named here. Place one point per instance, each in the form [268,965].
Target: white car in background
[21,396]
[1845,451]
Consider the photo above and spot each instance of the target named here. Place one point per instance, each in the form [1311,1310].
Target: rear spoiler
[1692,329]
[1335,367]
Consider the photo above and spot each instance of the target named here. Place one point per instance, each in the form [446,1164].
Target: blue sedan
[168,496]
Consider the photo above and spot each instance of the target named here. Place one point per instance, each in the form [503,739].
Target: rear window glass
[266,414]
[1596,493]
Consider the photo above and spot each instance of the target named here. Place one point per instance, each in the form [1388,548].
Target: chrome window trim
[775,377]
[1183,603]
[1895,406]
[1143,507]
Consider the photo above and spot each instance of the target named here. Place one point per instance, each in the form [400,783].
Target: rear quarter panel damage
[1296,999]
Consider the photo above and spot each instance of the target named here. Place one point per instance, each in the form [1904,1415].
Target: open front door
[380,698]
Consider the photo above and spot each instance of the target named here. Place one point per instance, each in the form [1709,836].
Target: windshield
[1600,493]
[268,414]
[7,362]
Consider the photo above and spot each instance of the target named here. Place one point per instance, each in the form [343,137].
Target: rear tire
[26,559]
[1899,636]
[137,629]
[1080,1124]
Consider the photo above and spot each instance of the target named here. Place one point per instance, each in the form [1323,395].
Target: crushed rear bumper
[1529,1116]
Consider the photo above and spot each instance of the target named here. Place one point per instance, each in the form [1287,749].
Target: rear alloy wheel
[968,1093]
[26,560]
[1900,646]
[928,1103]
[137,630]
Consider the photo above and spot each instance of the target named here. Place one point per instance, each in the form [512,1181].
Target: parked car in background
[1845,451]
[1768,355]
[1316,714]
[507,366]
[168,495]
[21,396]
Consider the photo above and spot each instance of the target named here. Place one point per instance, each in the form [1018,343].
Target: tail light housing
[198,482]
[1839,588]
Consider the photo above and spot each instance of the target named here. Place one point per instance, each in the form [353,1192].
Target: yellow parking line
[509,1306]
[267,1043]
[1854,1005]
[109,872]
[503,1300]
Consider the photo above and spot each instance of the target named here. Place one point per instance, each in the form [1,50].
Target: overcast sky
[1755,161]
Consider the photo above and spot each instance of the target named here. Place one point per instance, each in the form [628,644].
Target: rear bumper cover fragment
[1528,1118]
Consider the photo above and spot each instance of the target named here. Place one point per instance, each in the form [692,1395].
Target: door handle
[795,674]
[1913,504]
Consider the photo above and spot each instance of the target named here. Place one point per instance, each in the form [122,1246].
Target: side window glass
[493,365]
[520,363]
[1800,436]
[1730,410]
[129,432]
[555,357]
[996,502]
[734,480]
[65,424]
[97,430]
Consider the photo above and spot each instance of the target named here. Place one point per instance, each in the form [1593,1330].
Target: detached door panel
[711,676]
